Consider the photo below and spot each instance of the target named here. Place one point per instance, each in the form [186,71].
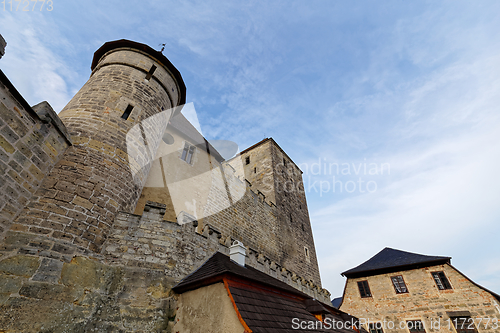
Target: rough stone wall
[56,286]
[424,301]
[259,170]
[219,195]
[276,177]
[30,145]
[148,241]
[48,286]
[293,215]
[250,219]
[103,172]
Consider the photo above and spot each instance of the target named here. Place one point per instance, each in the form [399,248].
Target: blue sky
[412,86]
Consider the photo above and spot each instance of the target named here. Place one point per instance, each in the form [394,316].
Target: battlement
[149,241]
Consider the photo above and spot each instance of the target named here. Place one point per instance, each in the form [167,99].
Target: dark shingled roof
[220,264]
[392,260]
[336,302]
[266,311]
[264,303]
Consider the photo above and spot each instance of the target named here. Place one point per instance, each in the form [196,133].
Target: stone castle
[107,205]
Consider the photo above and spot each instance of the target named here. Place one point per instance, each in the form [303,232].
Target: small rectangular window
[463,324]
[127,112]
[415,326]
[150,73]
[375,328]
[364,289]
[441,280]
[399,284]
[247,160]
[187,153]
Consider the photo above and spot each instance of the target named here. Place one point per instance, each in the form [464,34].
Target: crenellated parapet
[178,249]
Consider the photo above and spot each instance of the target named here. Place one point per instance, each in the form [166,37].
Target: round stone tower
[116,122]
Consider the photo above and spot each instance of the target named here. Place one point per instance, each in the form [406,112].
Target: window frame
[454,321]
[413,327]
[439,278]
[363,293]
[399,284]
[188,153]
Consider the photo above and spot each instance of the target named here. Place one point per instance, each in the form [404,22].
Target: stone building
[109,204]
[397,291]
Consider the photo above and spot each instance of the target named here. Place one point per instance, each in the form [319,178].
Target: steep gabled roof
[263,303]
[392,260]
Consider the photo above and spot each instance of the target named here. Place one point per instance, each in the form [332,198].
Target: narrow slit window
[150,73]
[127,112]
[254,170]
[247,160]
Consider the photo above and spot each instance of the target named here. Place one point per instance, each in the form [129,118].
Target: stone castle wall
[424,301]
[30,145]
[148,241]
[235,202]
[59,287]
[276,178]
[54,286]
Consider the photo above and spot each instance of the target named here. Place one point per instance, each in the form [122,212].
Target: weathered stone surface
[19,265]
[9,284]
[23,139]
[423,301]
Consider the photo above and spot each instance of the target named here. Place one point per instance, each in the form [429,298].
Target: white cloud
[30,61]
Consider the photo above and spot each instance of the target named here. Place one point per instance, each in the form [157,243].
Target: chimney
[237,253]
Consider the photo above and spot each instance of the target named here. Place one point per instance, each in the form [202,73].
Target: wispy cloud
[31,62]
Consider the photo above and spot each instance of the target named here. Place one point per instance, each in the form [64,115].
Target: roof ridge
[390,259]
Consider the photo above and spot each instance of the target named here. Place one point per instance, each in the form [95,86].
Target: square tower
[270,171]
